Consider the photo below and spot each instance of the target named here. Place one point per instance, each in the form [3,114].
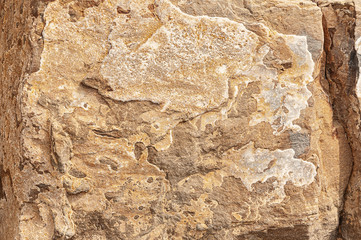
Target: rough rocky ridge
[174,119]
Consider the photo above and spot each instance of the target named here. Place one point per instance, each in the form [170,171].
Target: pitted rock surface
[174,119]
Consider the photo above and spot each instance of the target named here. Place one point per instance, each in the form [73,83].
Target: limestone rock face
[174,119]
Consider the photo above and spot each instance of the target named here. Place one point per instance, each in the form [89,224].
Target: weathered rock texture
[174,119]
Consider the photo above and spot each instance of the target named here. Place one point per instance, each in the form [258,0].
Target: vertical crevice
[340,79]
[2,192]
[20,44]
[3,175]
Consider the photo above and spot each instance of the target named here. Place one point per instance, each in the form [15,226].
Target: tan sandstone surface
[180,119]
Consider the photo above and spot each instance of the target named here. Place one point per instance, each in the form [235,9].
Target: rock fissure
[341,73]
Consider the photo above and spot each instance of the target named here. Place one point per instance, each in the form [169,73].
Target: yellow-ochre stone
[174,119]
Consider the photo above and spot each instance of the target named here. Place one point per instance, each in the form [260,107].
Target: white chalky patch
[186,64]
[254,165]
[190,67]
[284,96]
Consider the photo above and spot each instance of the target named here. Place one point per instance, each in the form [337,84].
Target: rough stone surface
[177,119]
